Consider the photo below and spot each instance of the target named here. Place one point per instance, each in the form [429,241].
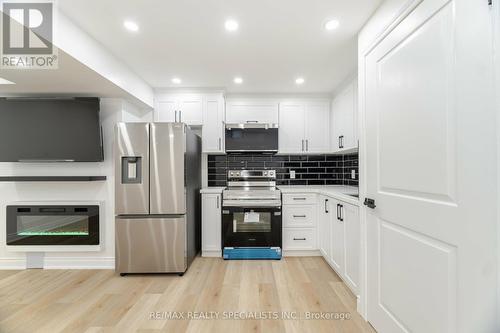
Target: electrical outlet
[353,174]
[292,174]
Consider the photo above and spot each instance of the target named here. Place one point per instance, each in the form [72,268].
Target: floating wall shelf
[52,178]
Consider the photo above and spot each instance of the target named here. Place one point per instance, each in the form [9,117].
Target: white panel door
[325,225]
[213,124]
[291,128]
[190,109]
[211,223]
[166,110]
[352,230]
[337,237]
[431,168]
[317,125]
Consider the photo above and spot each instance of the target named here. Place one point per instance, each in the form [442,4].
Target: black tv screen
[47,130]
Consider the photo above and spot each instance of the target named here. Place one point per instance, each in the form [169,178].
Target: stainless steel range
[251,215]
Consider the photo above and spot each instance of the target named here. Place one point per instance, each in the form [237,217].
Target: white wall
[496,15]
[78,44]
[112,111]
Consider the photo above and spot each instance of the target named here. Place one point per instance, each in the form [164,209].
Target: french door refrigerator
[157,200]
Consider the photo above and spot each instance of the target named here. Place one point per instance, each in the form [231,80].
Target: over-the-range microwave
[251,137]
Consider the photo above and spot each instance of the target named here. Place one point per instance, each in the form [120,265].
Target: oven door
[251,227]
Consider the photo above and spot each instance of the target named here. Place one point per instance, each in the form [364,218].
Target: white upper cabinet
[291,128]
[344,119]
[251,111]
[190,109]
[186,108]
[317,129]
[213,125]
[165,110]
[304,127]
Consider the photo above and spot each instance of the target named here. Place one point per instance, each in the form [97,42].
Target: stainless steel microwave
[251,138]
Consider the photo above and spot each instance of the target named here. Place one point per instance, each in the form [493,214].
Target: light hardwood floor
[94,301]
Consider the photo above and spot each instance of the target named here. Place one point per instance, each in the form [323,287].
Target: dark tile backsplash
[309,169]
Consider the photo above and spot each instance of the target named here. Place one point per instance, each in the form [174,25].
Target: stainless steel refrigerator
[157,200]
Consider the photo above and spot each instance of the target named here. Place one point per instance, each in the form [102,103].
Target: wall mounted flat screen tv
[50,130]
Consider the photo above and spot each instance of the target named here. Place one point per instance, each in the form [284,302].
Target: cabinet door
[291,128]
[352,245]
[344,119]
[254,111]
[325,224]
[213,124]
[317,127]
[166,110]
[190,109]
[337,237]
[211,223]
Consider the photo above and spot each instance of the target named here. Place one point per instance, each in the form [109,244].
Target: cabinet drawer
[299,199]
[299,216]
[299,239]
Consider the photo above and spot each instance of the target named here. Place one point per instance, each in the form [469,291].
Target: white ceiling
[71,78]
[277,41]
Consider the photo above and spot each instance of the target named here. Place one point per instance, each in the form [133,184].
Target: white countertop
[339,192]
[212,190]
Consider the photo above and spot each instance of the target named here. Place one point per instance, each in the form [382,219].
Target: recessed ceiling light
[231,25]
[238,80]
[176,80]
[300,80]
[332,25]
[131,26]
[5,81]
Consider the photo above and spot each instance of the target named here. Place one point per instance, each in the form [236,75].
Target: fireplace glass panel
[53,225]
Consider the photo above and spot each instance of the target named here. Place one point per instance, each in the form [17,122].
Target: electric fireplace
[53,225]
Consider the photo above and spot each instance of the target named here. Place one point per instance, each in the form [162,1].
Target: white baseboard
[12,263]
[212,254]
[79,263]
[301,253]
[61,263]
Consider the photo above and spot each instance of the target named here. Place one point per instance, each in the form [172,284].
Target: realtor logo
[27,35]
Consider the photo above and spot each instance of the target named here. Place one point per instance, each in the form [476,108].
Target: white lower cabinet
[352,245]
[211,228]
[340,242]
[299,222]
[299,239]
[324,222]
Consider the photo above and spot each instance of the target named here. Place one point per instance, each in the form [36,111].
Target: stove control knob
[265,173]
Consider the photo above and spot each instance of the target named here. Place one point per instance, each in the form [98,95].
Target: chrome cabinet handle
[175,116]
[252,121]
[302,144]
[303,216]
[217,202]
[180,116]
[299,198]
[302,239]
[326,206]
[307,145]
[220,144]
